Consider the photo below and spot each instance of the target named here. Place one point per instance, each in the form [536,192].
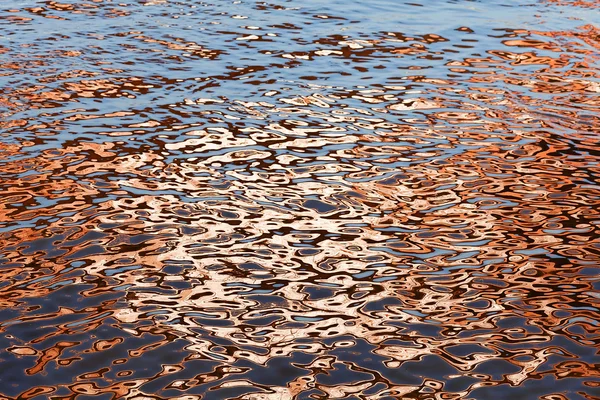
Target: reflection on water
[255,200]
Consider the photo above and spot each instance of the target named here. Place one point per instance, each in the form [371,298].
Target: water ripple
[286,200]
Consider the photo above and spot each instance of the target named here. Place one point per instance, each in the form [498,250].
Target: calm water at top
[300,199]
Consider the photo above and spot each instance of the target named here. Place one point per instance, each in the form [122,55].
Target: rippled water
[300,199]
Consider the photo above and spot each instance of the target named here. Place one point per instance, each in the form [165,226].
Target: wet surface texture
[299,200]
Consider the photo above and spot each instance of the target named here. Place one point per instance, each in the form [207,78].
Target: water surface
[299,199]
